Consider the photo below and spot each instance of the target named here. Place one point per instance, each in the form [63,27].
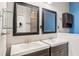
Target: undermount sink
[21,49]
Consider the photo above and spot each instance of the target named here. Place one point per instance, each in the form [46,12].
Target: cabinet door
[44,52]
[61,50]
[67,20]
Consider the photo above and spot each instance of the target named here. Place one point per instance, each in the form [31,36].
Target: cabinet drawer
[61,50]
[44,52]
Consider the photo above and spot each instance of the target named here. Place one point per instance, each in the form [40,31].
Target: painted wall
[73,8]
[2,37]
[74,49]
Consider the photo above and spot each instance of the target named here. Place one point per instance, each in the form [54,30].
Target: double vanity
[26,22]
[48,47]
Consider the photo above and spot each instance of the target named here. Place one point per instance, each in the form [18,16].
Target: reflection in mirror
[48,21]
[25,19]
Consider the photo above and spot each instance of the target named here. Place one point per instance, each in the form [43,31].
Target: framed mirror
[48,21]
[25,19]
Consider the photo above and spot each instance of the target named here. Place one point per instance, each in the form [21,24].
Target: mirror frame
[15,20]
[43,32]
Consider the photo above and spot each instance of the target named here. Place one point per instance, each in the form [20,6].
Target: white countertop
[24,48]
[21,49]
[55,42]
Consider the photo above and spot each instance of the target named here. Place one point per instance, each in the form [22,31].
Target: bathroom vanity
[49,47]
[58,46]
[37,48]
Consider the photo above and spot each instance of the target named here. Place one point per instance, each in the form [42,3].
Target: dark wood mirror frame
[15,20]
[43,32]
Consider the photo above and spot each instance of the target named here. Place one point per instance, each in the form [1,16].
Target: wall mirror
[26,19]
[48,21]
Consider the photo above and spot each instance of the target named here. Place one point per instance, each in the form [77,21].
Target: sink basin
[55,42]
[21,49]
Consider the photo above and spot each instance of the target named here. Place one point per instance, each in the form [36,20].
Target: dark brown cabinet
[61,50]
[67,20]
[44,52]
